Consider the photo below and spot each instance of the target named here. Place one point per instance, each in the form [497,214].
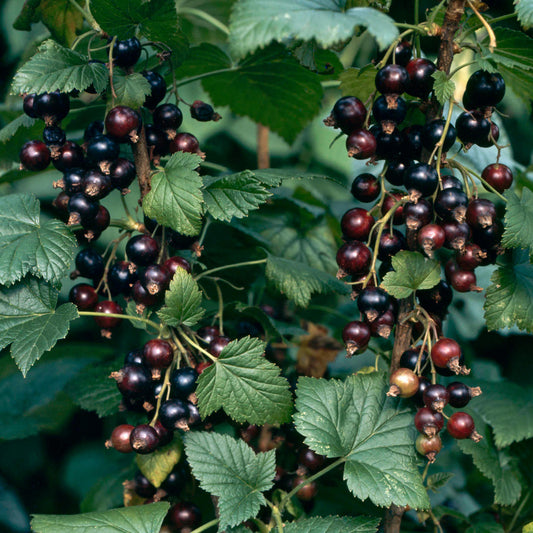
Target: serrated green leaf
[412,272]
[23,399]
[443,88]
[24,121]
[175,199]
[359,82]
[233,196]
[513,49]
[298,281]
[29,245]
[494,464]
[229,469]
[54,68]
[334,524]
[256,23]
[30,322]
[136,519]
[247,386]
[131,89]
[183,301]
[355,420]
[520,82]
[95,391]
[509,297]
[518,220]
[524,10]
[435,482]
[157,466]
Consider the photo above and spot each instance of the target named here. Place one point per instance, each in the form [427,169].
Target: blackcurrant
[142,297]
[385,112]
[356,336]
[143,487]
[472,127]
[158,88]
[89,264]
[388,145]
[54,136]
[348,114]
[68,156]
[431,237]
[96,185]
[208,333]
[421,179]
[155,279]
[361,144]
[457,234]
[480,213]
[356,224]
[135,357]
[122,123]
[108,307]
[354,258]
[365,188]
[144,439]
[446,353]
[420,77]
[373,302]
[437,299]
[122,275]
[451,182]
[412,142]
[411,357]
[471,257]
[451,204]
[29,105]
[94,129]
[461,426]
[173,263]
[395,170]
[167,117]
[463,281]
[185,515]
[83,296]
[436,397]
[432,133]
[390,202]
[120,438]
[142,250]
[390,243]
[217,345]
[428,422]
[102,148]
[498,176]
[173,414]
[417,215]
[311,460]
[392,79]
[492,137]
[487,89]
[158,353]
[382,326]
[461,394]
[122,173]
[126,53]
[183,381]
[184,142]
[203,112]
[428,446]
[156,140]
[134,381]
[34,155]
[51,107]
[402,53]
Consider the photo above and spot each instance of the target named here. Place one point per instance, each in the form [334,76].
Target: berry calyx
[356,336]
[348,114]
[436,397]
[428,446]
[461,426]
[428,422]
[144,439]
[404,383]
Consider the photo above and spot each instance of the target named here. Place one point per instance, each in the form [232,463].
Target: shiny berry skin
[142,297]
[457,233]
[83,296]
[120,438]
[419,214]
[388,144]
[90,264]
[175,481]
[156,140]
[361,144]
[356,336]
[184,142]
[383,324]
[471,257]
[431,237]
[472,127]
[52,107]
[173,413]
[202,111]
[404,383]
[94,129]
[402,53]
[102,148]
[409,359]
[451,204]
[158,353]
[486,89]
[459,394]
[126,53]
[491,138]
[480,213]
[436,396]
[308,491]
[173,263]
[392,79]
[183,381]
[463,281]
[54,136]
[373,302]
[208,333]
[354,258]
[28,105]
[134,381]
[356,224]
[498,176]
[311,460]
[68,157]
[488,237]
[203,366]
[437,299]
[158,88]
[135,357]
[420,77]
[432,132]
[444,350]
[100,222]
[348,114]
[428,422]
[144,439]
[395,170]
[451,182]
[142,250]
[390,244]
[412,142]
[34,155]
[96,185]
[108,307]
[143,487]
[423,384]
[421,178]
[155,279]
[390,201]
[217,345]
[365,188]
[122,173]
[185,515]
[385,112]
[461,426]
[428,446]
[122,275]
[167,117]
[122,122]
[179,241]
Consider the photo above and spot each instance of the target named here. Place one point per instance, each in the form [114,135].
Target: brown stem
[142,164]
[263,155]
[393,518]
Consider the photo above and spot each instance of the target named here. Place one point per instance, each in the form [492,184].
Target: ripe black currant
[208,333]
[155,279]
[390,244]
[356,224]
[428,422]
[420,77]
[421,179]
[389,203]
[457,234]
[142,250]
[122,275]
[417,215]
[396,169]
[34,155]
[158,88]
[28,105]
[485,89]
[158,353]
[431,237]
[373,302]
[134,381]
[472,127]
[82,209]
[83,296]
[461,394]
[365,188]
[68,156]
[353,258]
[173,414]
[471,257]
[385,112]
[410,358]
[173,263]
[126,53]
[89,264]
[437,299]
[412,142]
[122,173]
[451,182]
[356,336]
[446,353]
[102,148]
[142,297]
[96,185]
[348,114]
[185,515]
[98,224]
[217,345]
[122,123]
[480,213]
[144,439]
[156,140]
[143,487]
[451,204]
[361,144]
[120,438]
[51,107]
[184,142]
[183,381]
[203,112]
[392,79]
[388,145]
[498,176]
[94,129]
[494,135]
[135,357]
[108,307]
[54,136]
[167,117]
[463,280]
[432,133]
[461,426]
[436,396]
[382,326]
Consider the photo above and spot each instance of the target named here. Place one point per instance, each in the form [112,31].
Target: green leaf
[27,16]
[131,310]
[443,88]
[24,121]
[23,401]
[247,386]
[233,196]
[528,528]
[131,89]
[157,466]
[355,420]
[359,82]
[254,313]
[30,321]
[494,464]
[175,199]
[435,482]
[519,220]
[509,297]
[298,281]
[334,524]
[107,492]
[137,519]
[95,391]
[229,469]
[256,23]
[29,245]
[412,272]
[183,301]
[54,68]
[62,19]
[520,82]
[485,525]
[524,10]
[513,49]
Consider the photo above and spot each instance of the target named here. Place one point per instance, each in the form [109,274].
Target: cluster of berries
[441,220]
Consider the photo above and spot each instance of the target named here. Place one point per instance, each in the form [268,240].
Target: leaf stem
[224,267]
[86,15]
[155,325]
[205,16]
[443,137]
[330,84]
[196,345]
[519,510]
[490,31]
[277,516]
[206,526]
[206,75]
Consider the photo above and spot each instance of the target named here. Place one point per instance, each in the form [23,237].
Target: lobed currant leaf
[524,10]
[334,524]
[519,220]
[443,88]
[131,89]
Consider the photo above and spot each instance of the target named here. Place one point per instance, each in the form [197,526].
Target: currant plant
[189,286]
